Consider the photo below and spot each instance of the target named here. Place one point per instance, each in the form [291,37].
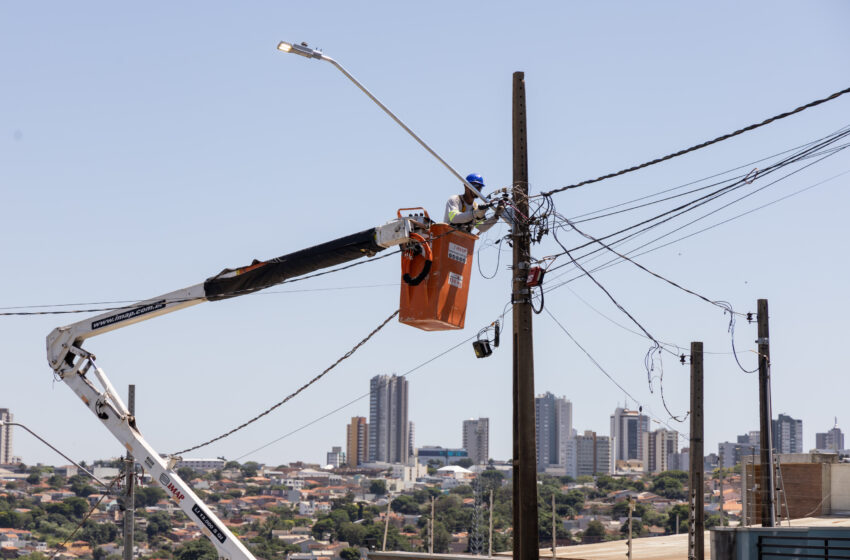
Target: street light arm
[308,52]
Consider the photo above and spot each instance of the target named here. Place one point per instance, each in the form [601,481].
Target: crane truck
[76,366]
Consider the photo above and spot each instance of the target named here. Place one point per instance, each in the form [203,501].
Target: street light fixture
[304,50]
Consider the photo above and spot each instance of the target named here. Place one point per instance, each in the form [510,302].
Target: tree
[186,473]
[158,523]
[669,487]
[99,533]
[250,469]
[464,462]
[683,512]
[637,528]
[594,529]
[405,504]
[56,481]
[200,549]
[350,553]
[322,527]
[146,496]
[230,465]
[33,478]
[378,487]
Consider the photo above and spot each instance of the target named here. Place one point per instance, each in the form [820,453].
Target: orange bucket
[438,301]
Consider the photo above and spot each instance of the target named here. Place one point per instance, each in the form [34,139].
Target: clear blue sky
[146,147]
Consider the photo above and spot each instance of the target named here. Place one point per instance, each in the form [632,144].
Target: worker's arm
[455,214]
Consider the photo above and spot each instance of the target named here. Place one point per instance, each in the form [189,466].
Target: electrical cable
[264,293]
[598,214]
[617,260]
[363,396]
[183,300]
[297,391]
[620,307]
[85,518]
[703,144]
[696,203]
[602,369]
[696,182]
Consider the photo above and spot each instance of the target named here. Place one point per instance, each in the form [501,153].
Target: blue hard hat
[475,179]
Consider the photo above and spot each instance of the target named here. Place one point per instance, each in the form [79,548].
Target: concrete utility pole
[387,523]
[431,544]
[631,510]
[766,482]
[129,493]
[554,529]
[525,546]
[490,547]
[696,527]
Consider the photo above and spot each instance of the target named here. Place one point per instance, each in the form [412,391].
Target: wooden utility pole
[525,546]
[129,493]
[766,483]
[696,527]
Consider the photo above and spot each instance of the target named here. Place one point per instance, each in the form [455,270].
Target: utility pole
[431,544]
[554,529]
[631,510]
[766,483]
[696,527]
[525,546]
[387,523]
[129,493]
[490,547]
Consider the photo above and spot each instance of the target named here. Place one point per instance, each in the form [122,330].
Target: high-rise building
[591,455]
[787,434]
[476,440]
[732,454]
[627,429]
[335,457]
[389,429]
[661,444]
[411,441]
[357,441]
[5,437]
[833,440]
[554,422]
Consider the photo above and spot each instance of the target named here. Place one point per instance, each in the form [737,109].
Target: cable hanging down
[703,144]
[297,391]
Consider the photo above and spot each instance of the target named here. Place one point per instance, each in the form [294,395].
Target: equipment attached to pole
[482,346]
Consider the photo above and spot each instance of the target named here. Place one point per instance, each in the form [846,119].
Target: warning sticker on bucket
[457,252]
[455,280]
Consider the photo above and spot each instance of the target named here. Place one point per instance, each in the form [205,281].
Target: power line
[703,144]
[364,395]
[603,370]
[698,181]
[299,390]
[617,260]
[692,205]
[182,300]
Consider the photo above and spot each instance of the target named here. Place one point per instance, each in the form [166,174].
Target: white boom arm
[73,364]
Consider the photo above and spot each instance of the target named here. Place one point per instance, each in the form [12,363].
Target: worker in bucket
[463,211]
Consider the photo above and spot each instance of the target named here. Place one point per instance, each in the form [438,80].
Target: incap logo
[164,480]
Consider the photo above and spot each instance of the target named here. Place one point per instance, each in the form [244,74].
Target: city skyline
[186,160]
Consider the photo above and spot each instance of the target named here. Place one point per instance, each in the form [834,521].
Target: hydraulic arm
[77,367]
